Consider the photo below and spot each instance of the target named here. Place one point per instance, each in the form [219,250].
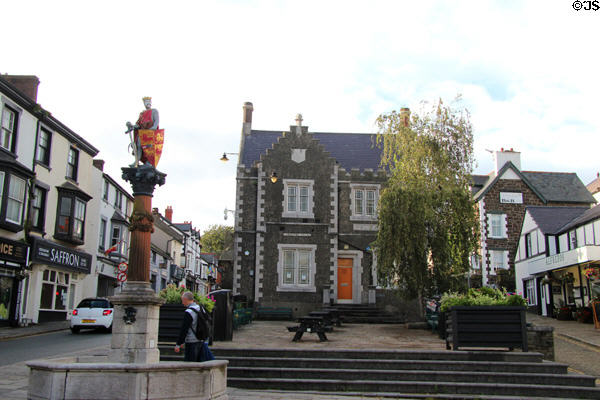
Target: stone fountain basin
[69,378]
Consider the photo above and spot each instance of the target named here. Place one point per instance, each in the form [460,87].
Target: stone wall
[540,339]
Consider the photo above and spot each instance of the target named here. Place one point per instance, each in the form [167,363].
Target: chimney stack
[405,116]
[27,84]
[98,164]
[247,122]
[169,213]
[503,156]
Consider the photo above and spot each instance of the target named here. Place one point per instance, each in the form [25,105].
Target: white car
[92,313]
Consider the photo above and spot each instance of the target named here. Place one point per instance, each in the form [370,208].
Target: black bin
[223,315]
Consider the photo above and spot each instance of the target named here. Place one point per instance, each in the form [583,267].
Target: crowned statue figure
[148,139]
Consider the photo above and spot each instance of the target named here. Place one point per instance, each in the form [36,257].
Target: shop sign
[177,272]
[13,251]
[511,198]
[60,256]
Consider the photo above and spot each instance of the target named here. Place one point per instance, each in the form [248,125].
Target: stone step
[516,378]
[497,356]
[399,365]
[416,387]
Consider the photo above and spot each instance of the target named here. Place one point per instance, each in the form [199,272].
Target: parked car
[92,313]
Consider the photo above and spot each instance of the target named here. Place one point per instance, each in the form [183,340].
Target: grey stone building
[306,216]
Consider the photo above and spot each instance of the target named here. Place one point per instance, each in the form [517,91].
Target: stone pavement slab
[274,334]
[573,330]
[7,333]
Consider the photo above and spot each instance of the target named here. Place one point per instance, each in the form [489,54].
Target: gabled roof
[594,186]
[350,150]
[565,187]
[589,215]
[550,220]
[491,182]
[45,117]
[478,182]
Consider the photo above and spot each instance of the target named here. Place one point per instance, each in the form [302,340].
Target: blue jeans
[192,351]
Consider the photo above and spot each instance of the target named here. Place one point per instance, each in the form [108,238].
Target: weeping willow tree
[427,221]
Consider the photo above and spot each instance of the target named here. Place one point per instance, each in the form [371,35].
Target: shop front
[13,258]
[58,272]
[108,285]
[177,274]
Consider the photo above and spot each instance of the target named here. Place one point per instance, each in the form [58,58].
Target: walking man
[187,334]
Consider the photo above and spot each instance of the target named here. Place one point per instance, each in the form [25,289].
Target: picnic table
[326,315]
[311,325]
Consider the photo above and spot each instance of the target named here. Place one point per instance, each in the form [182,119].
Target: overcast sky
[527,71]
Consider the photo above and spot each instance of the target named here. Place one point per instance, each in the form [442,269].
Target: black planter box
[486,326]
[169,322]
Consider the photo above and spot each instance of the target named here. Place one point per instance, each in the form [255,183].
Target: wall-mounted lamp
[274,177]
[225,159]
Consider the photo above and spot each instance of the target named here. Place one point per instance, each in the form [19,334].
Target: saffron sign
[49,253]
[511,198]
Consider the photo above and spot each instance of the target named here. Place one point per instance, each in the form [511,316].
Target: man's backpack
[203,323]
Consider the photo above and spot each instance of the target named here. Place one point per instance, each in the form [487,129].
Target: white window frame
[530,292]
[494,258]
[297,287]
[20,201]
[298,183]
[362,215]
[502,227]
[61,279]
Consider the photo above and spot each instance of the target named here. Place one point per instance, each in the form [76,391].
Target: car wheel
[74,330]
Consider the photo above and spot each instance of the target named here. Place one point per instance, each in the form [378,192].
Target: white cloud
[527,72]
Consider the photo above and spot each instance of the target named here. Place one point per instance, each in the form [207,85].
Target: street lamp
[226,211]
[225,159]
[274,177]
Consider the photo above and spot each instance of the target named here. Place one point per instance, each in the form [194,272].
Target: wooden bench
[311,325]
[278,313]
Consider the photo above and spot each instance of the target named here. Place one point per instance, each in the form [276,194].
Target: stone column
[136,308]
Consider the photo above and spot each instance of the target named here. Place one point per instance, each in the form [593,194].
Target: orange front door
[345,278]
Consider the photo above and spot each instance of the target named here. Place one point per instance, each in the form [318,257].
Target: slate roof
[550,220]
[589,215]
[560,186]
[478,182]
[351,150]
[564,187]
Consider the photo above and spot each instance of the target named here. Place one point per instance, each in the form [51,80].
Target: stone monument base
[68,378]
[135,325]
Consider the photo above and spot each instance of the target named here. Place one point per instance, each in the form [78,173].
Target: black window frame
[15,132]
[118,199]
[41,225]
[46,161]
[102,234]
[4,223]
[75,166]
[74,196]
[105,190]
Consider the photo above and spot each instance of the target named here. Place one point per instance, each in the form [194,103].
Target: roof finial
[299,119]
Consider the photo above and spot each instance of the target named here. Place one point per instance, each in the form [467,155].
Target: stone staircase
[410,374]
[365,314]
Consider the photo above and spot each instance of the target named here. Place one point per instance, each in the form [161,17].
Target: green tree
[428,225]
[217,239]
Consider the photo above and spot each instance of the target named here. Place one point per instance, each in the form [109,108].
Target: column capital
[143,179]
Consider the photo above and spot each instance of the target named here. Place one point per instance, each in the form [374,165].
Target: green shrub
[172,295]
[484,296]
